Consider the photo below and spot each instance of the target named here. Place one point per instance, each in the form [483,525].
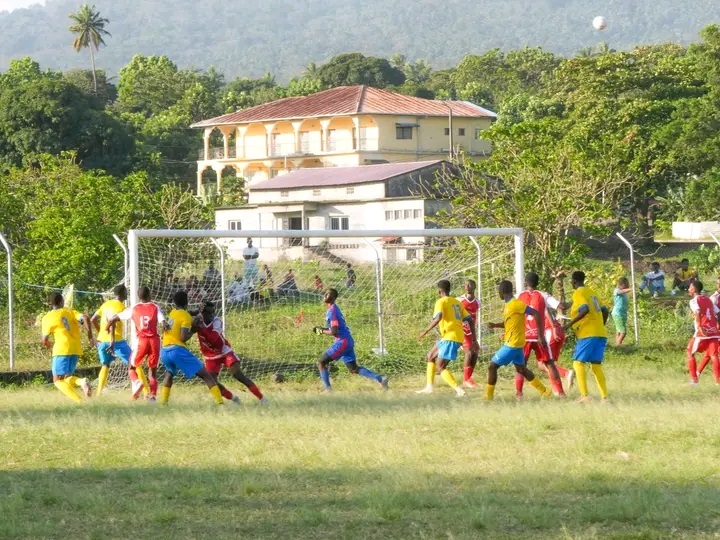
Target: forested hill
[252,37]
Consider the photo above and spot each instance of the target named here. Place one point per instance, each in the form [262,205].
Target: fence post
[632,285]
[11,317]
[378,298]
[125,258]
[519,262]
[222,277]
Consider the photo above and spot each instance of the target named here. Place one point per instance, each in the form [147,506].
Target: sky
[9,5]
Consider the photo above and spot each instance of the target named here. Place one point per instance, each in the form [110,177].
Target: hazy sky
[9,5]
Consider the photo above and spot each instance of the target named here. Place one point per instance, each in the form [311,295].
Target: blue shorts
[509,355]
[448,350]
[590,350]
[64,364]
[343,348]
[122,351]
[177,358]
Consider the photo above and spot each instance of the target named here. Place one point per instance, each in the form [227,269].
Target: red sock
[561,370]
[692,368]
[153,386]
[227,394]
[556,384]
[468,373]
[703,363]
[255,391]
[716,369]
[519,380]
[133,375]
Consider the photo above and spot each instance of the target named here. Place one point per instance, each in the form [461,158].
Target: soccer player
[63,325]
[113,346]
[343,347]
[532,297]
[706,335]
[449,315]
[146,317]
[175,354]
[471,348]
[217,352]
[587,318]
[511,352]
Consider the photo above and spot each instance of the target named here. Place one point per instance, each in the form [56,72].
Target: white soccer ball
[599,23]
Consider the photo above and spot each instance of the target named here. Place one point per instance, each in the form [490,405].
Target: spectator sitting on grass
[684,277]
[653,281]
[319,287]
[350,277]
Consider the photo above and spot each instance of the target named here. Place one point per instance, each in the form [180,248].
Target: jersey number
[595,303]
[458,314]
[145,322]
[66,323]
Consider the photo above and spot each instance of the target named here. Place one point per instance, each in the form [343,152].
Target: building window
[447,132]
[398,214]
[403,132]
[316,192]
[234,225]
[478,134]
[461,132]
[305,142]
[407,214]
[274,173]
[284,193]
[275,148]
[331,140]
[417,214]
[411,254]
[350,190]
[388,215]
[339,223]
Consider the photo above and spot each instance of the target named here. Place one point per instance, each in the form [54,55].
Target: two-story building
[341,127]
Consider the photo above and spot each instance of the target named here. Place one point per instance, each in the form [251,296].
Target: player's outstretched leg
[240,376]
[441,365]
[367,373]
[144,383]
[692,365]
[554,376]
[533,380]
[429,371]
[166,387]
[491,381]
[324,373]
[703,363]
[599,373]
[471,358]
[205,375]
[68,390]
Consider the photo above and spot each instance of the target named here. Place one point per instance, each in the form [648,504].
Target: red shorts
[214,365]
[709,346]
[149,347]
[556,347]
[542,353]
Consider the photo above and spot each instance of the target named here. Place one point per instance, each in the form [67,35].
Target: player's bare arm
[88,329]
[95,321]
[582,312]
[436,320]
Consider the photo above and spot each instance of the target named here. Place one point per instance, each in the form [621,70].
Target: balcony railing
[282,149]
[217,153]
[258,151]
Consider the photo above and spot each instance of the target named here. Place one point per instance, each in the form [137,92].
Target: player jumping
[472,305]
[343,347]
[706,335]
[217,352]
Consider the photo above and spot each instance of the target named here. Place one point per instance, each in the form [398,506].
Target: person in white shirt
[251,255]
[654,280]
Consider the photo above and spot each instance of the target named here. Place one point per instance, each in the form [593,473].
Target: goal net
[386,282]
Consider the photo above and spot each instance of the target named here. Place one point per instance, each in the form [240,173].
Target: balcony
[217,153]
[281,149]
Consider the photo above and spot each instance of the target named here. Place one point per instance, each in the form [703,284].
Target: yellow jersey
[685,275]
[451,314]
[514,321]
[106,312]
[64,326]
[592,324]
[177,320]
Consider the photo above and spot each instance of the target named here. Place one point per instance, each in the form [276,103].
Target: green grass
[360,463]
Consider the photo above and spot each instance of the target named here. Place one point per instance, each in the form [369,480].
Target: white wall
[688,230]
[334,193]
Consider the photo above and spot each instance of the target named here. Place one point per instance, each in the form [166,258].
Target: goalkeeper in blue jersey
[343,347]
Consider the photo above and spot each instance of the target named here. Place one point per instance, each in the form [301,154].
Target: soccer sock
[561,370]
[449,378]
[692,368]
[716,369]
[217,396]
[165,395]
[556,383]
[703,364]
[369,373]
[153,386]
[468,373]
[581,377]
[537,384]
[255,391]
[132,374]
[73,381]
[140,373]
[519,381]
[227,394]
[430,373]
[102,378]
[489,391]
[600,379]
[325,378]
[68,390]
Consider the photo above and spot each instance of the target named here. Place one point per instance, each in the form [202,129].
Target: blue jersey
[335,319]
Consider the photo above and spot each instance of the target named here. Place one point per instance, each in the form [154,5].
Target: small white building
[385,196]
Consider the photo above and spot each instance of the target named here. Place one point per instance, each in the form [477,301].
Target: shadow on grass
[157,502]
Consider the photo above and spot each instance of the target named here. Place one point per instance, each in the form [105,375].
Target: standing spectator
[319,287]
[350,276]
[268,276]
[654,280]
[251,255]
[211,273]
[620,309]
[684,277]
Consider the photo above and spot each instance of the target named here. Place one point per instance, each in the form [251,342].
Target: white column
[356,133]
[206,143]
[324,125]
[268,130]
[240,142]
[199,182]
[296,129]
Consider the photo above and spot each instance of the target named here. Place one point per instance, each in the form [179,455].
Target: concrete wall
[687,230]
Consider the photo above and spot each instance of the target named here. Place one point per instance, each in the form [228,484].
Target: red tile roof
[341,176]
[344,101]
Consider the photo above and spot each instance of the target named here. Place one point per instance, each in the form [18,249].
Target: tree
[89,29]
[354,68]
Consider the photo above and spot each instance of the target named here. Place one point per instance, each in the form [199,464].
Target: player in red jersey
[472,305]
[146,317]
[706,335]
[543,353]
[217,352]
[715,297]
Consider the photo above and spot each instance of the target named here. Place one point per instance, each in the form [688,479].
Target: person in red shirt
[472,305]
[706,336]
[715,297]
[543,352]
[146,316]
[217,352]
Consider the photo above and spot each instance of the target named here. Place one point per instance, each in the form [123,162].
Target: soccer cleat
[570,378]
[85,385]
[384,383]
[264,401]
[151,400]
[584,399]
[236,400]
[519,397]
[137,387]
[459,392]
[469,383]
[426,390]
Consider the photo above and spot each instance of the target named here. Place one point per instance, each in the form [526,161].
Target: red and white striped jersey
[213,344]
[146,316]
[708,310]
[472,307]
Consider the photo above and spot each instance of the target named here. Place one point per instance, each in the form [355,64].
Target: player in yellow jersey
[175,355]
[64,326]
[109,348]
[588,316]
[511,352]
[449,315]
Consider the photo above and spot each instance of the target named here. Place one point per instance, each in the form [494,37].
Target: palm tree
[89,29]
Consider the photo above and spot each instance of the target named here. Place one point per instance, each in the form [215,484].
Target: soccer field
[363,464]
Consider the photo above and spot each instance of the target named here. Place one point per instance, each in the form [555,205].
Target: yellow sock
[165,395]
[489,392]
[600,379]
[448,377]
[73,381]
[143,378]
[215,391]
[430,373]
[68,390]
[537,384]
[581,376]
[102,378]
